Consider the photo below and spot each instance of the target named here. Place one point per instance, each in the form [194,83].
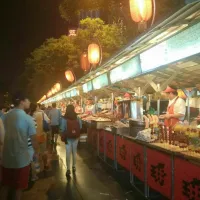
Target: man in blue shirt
[55,117]
[16,159]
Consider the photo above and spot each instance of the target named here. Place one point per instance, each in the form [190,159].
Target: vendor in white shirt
[90,108]
[78,108]
[176,108]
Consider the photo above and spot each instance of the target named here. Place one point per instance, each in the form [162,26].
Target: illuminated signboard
[154,57]
[68,94]
[87,87]
[72,32]
[190,1]
[100,81]
[182,45]
[129,69]
[74,92]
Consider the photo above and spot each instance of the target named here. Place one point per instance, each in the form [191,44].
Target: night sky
[25,24]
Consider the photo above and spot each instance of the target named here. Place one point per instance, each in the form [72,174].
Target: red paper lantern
[44,97]
[70,76]
[94,53]
[53,91]
[141,10]
[49,94]
[57,87]
[85,65]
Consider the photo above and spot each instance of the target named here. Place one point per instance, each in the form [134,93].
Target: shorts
[55,129]
[16,178]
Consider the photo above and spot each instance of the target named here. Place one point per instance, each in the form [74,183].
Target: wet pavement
[92,181]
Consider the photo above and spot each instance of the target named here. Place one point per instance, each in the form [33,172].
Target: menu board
[87,87]
[182,45]
[100,81]
[129,69]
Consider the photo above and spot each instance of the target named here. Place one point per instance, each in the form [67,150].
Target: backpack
[73,129]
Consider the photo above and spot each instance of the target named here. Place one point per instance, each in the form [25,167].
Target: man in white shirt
[176,107]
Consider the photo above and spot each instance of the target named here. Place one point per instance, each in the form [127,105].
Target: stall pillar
[112,99]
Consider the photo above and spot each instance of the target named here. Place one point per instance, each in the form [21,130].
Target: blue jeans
[71,148]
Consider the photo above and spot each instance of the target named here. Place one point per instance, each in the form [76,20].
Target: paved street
[92,181]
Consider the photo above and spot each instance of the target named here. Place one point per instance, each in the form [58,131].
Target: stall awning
[181,20]
[167,52]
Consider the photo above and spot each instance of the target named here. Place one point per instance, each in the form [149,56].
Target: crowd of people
[26,129]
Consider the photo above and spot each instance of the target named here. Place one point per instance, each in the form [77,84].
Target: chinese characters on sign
[109,146]
[123,152]
[191,189]
[158,173]
[137,162]
[187,185]
[72,32]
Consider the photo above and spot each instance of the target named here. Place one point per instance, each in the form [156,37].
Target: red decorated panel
[89,137]
[110,145]
[123,152]
[137,160]
[101,141]
[187,180]
[159,172]
[94,138]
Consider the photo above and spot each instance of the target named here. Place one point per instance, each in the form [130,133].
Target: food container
[135,127]
[100,124]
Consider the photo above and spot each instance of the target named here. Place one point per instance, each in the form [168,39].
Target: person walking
[70,127]
[55,117]
[40,117]
[16,159]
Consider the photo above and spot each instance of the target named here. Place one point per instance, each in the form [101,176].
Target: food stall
[123,131]
[63,98]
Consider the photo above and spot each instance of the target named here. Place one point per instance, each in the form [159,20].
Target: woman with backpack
[70,127]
